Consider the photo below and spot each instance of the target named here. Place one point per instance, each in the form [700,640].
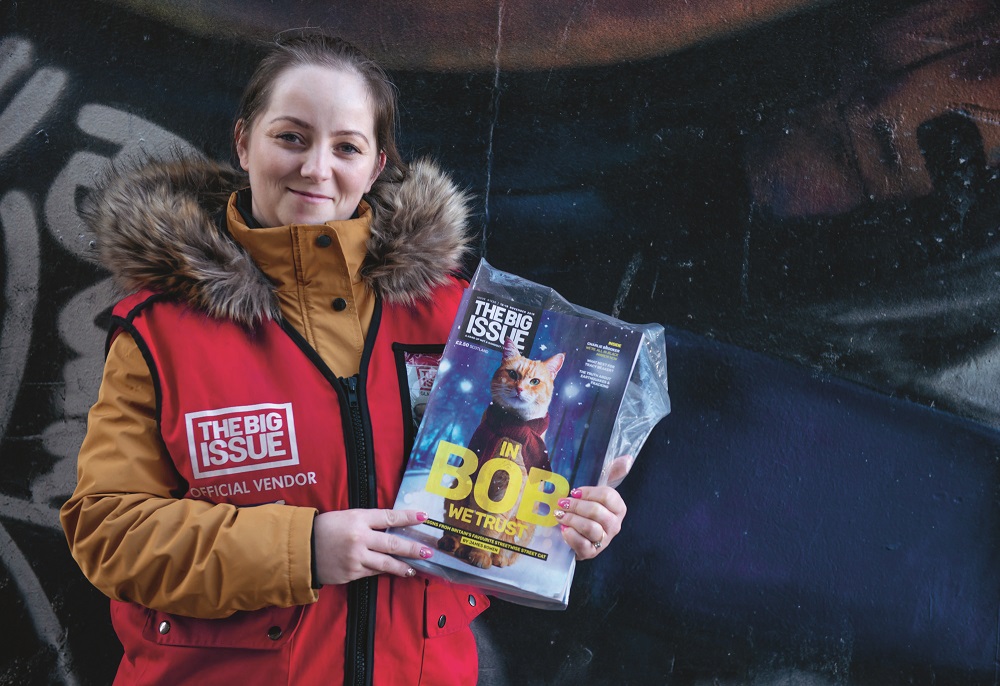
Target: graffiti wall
[804,192]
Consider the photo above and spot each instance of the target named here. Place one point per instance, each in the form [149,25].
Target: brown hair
[319,49]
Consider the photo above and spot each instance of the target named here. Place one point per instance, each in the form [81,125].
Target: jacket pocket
[416,368]
[450,607]
[266,629]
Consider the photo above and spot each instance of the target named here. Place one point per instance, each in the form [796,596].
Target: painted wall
[804,192]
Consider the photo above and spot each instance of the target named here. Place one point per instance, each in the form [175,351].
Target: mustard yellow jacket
[228,563]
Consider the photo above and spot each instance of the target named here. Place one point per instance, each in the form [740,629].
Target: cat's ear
[555,363]
[510,350]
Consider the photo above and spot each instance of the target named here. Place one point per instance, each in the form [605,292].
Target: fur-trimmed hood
[155,228]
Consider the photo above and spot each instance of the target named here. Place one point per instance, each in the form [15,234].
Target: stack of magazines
[532,397]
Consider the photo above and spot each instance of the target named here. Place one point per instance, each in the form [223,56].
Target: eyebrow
[307,125]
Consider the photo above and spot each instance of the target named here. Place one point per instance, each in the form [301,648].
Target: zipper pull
[352,391]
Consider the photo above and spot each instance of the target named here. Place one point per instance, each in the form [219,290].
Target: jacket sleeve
[136,539]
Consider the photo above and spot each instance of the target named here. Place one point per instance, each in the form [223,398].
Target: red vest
[256,417]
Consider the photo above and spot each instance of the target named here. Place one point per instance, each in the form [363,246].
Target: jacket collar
[156,228]
[242,201]
[278,251]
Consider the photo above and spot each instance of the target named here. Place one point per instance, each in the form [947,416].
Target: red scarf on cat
[498,424]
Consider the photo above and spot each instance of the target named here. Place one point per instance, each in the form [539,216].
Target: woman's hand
[353,544]
[592,516]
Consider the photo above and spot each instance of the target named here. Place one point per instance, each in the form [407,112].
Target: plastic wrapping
[533,396]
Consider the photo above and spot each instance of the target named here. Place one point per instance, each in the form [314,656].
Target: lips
[311,197]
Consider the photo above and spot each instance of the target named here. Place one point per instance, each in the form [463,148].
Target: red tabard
[250,418]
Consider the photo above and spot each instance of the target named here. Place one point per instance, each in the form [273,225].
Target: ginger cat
[512,428]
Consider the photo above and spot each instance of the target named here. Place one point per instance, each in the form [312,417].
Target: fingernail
[411,572]
[426,553]
[576,493]
[563,527]
[564,503]
[421,516]
[559,514]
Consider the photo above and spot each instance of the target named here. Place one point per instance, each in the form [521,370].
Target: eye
[512,374]
[349,149]
[534,382]
[289,137]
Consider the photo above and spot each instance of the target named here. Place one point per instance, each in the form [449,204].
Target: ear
[510,350]
[378,170]
[240,135]
[555,363]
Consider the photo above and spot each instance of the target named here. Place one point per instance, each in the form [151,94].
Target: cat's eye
[512,374]
[534,382]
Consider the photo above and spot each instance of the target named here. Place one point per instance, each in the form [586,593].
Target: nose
[318,164]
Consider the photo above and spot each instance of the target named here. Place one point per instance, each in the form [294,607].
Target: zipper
[361,592]
[363,492]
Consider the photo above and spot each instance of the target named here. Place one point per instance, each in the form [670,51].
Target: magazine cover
[528,402]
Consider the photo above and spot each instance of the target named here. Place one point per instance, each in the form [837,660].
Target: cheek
[359,180]
[271,172]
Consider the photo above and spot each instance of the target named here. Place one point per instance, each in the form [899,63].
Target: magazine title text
[489,321]
[535,497]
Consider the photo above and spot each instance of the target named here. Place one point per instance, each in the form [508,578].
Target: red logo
[426,375]
[231,440]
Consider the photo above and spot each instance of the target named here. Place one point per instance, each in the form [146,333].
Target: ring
[597,546]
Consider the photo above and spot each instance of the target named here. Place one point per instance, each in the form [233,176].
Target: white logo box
[247,438]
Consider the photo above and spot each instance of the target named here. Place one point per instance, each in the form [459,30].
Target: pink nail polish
[576,493]
[426,553]
[564,503]
[421,516]
[563,527]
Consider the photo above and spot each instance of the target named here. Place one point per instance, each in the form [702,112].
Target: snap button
[339,304]
[472,600]
[274,633]
[441,621]
[164,628]
[323,241]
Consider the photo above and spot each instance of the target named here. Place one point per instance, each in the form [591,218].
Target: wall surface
[805,193]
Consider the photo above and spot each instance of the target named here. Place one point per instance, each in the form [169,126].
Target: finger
[620,467]
[582,546]
[384,553]
[591,519]
[605,495]
[572,510]
[389,519]
[377,563]
[591,529]
[387,544]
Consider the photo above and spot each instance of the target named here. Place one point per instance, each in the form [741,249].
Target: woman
[247,443]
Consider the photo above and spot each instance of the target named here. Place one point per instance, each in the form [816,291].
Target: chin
[521,407]
[310,218]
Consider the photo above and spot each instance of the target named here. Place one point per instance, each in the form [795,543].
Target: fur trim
[419,237]
[155,229]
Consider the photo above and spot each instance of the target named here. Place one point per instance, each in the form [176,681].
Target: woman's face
[312,152]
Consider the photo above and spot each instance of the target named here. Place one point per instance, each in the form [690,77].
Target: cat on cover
[512,428]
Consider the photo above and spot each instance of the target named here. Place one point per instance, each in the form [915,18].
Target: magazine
[533,396]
